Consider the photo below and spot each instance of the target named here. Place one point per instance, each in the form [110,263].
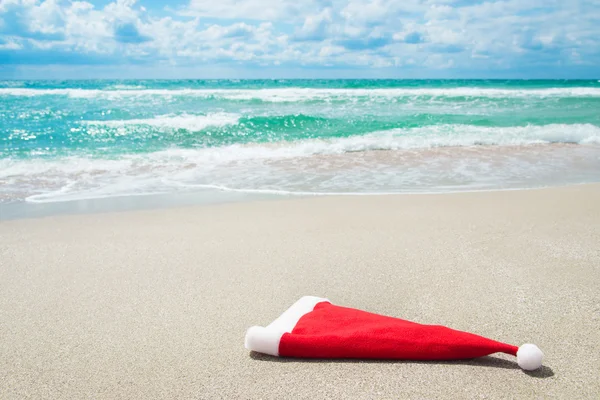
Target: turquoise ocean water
[72,140]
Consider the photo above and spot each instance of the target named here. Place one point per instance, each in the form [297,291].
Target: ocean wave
[184,121]
[442,136]
[308,94]
[441,158]
[397,139]
[405,139]
[125,87]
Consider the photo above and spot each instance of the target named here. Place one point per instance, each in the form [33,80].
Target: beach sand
[155,304]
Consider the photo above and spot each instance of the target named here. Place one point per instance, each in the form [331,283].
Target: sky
[299,39]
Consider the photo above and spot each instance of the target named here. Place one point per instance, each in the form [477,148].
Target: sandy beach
[155,304]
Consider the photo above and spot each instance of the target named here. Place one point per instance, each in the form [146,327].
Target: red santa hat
[314,328]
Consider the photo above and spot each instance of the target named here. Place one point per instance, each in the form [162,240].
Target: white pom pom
[263,340]
[529,357]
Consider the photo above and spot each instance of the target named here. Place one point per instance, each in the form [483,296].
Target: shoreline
[164,201]
[155,303]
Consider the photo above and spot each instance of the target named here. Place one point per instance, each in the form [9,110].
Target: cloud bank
[451,37]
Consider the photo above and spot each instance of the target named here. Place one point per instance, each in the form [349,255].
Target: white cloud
[10,45]
[377,33]
[266,10]
[316,27]
[328,51]
[365,11]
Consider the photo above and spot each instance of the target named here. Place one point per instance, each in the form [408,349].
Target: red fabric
[331,331]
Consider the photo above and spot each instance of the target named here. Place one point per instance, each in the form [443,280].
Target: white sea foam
[183,121]
[398,139]
[126,87]
[307,94]
[394,139]
[340,165]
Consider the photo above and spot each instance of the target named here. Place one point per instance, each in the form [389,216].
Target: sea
[69,141]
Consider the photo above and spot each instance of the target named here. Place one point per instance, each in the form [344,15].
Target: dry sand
[155,304]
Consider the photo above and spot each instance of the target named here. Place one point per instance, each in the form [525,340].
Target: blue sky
[300,38]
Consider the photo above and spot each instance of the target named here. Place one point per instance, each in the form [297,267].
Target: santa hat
[314,328]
